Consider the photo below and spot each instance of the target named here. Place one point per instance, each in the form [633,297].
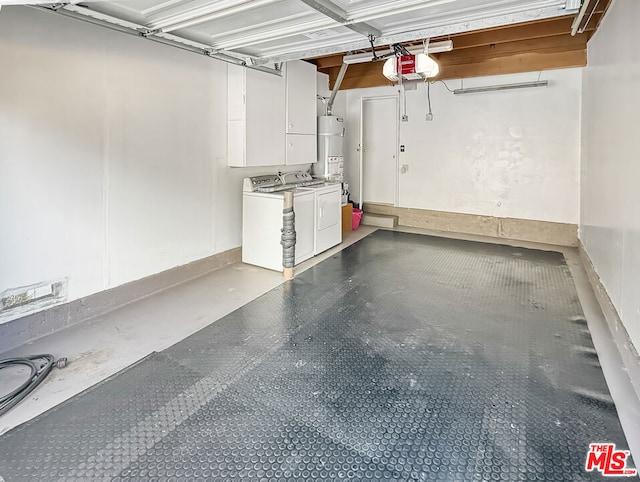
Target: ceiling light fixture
[410,67]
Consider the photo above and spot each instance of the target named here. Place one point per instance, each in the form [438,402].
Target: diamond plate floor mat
[403,357]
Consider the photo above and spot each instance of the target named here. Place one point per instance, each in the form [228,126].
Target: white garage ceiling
[264,32]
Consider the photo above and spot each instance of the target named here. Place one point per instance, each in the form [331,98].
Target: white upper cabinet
[301,97]
[301,149]
[271,119]
[301,92]
[255,118]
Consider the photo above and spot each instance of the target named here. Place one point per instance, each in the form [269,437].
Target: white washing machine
[262,205]
[327,216]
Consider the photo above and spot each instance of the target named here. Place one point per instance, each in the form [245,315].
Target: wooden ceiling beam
[538,45]
[494,36]
[513,64]
[370,74]
[557,43]
[327,62]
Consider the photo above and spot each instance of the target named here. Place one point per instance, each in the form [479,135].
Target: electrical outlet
[429,117]
[405,118]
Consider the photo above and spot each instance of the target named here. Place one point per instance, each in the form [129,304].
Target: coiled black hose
[39,366]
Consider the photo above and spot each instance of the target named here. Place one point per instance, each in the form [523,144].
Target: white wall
[112,155]
[324,91]
[610,214]
[506,154]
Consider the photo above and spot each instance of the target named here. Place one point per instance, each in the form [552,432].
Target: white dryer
[327,216]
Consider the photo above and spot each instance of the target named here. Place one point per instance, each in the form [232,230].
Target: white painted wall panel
[505,154]
[160,158]
[51,172]
[322,84]
[610,207]
[112,155]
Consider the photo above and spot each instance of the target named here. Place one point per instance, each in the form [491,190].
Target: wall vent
[17,302]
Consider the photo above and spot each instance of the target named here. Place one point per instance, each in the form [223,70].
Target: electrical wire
[428,92]
[39,367]
[443,83]
[372,39]
[404,100]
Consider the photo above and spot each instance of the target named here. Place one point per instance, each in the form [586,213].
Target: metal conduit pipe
[336,87]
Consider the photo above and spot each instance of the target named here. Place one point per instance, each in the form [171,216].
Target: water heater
[330,165]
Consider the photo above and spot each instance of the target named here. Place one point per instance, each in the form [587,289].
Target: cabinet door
[236,88]
[264,117]
[301,97]
[301,149]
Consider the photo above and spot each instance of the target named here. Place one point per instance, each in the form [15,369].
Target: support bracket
[334,12]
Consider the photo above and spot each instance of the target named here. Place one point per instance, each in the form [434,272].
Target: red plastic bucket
[356,217]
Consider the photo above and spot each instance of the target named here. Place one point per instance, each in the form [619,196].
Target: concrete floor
[106,345]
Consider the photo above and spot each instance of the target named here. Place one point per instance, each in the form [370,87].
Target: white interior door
[379,146]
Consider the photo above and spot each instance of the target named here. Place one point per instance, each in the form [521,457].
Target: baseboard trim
[36,325]
[621,338]
[562,234]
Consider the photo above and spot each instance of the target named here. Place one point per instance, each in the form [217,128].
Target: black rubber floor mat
[404,357]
